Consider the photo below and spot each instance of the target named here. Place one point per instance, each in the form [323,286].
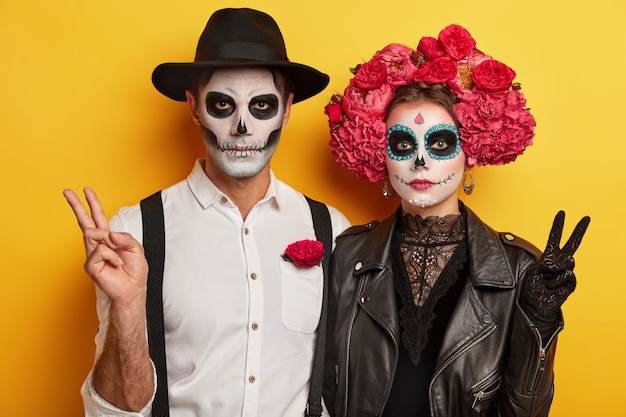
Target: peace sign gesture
[115,261]
[550,279]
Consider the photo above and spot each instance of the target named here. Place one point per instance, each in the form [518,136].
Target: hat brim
[173,78]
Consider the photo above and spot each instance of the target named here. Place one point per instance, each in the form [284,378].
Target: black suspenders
[323,233]
[154,247]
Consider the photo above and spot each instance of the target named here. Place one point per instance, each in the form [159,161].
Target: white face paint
[241,113]
[424,159]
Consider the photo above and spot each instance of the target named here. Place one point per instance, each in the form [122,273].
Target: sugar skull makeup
[441,142]
[241,114]
[424,160]
[263,107]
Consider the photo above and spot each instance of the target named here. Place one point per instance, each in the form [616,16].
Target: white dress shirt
[239,320]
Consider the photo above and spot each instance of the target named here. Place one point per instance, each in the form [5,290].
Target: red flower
[440,70]
[370,75]
[493,76]
[304,253]
[430,48]
[333,111]
[456,41]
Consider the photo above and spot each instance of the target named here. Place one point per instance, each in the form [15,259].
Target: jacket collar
[488,264]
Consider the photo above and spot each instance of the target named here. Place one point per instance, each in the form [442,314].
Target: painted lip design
[421,184]
[241,151]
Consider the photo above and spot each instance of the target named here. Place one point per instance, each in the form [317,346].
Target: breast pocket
[301,297]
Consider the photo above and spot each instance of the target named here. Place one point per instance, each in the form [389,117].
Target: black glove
[550,279]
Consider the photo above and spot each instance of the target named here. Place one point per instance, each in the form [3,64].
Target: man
[239,319]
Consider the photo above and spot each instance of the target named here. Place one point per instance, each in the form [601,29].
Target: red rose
[371,75]
[493,76]
[456,41]
[430,48]
[304,253]
[333,111]
[440,70]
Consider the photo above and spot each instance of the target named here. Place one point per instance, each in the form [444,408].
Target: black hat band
[239,50]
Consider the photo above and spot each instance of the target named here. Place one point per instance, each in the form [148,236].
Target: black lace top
[429,261]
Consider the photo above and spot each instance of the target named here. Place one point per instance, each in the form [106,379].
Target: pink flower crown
[496,127]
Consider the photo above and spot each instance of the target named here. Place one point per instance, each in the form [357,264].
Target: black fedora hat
[235,38]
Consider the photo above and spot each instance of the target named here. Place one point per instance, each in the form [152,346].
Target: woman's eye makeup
[442,141]
[401,142]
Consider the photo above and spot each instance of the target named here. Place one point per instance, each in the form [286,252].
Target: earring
[468,188]
[386,192]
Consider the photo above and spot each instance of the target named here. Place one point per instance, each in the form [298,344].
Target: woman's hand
[550,279]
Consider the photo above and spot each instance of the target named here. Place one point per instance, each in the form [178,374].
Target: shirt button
[252,379]
[253,275]
[224,200]
[246,231]
[255,326]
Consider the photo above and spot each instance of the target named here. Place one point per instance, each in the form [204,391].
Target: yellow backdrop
[78,108]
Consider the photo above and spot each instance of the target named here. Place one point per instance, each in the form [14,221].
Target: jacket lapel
[488,264]
[379,295]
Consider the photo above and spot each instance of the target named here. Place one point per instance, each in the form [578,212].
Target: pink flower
[304,253]
[496,127]
[360,145]
[456,41]
[465,67]
[400,66]
[493,76]
[366,103]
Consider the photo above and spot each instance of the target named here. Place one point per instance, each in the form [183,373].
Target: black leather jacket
[491,361]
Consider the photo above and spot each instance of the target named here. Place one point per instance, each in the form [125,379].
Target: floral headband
[496,127]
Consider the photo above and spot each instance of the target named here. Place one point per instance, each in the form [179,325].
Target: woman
[432,312]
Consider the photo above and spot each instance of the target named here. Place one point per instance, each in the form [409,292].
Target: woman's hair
[422,92]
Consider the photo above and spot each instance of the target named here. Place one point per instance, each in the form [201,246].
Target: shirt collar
[207,193]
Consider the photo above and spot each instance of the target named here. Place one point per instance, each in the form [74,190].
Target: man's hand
[115,261]
[123,374]
[550,279]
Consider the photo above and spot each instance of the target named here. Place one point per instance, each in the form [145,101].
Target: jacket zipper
[449,361]
[349,339]
[482,395]
[542,355]
[477,397]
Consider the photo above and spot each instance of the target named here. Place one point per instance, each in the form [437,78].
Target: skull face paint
[441,142]
[424,157]
[241,113]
